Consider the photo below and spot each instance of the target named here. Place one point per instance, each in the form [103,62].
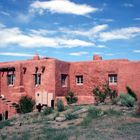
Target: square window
[112,78]
[79,79]
[64,80]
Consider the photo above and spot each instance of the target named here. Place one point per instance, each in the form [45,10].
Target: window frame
[64,80]
[112,79]
[79,79]
[37,79]
[10,79]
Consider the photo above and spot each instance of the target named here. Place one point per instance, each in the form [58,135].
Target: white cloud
[62,7]
[128,5]
[136,51]
[78,53]
[5,13]
[16,54]
[101,46]
[75,43]
[123,33]
[137,18]
[106,20]
[14,36]
[24,18]
[89,33]
[43,32]
[2,26]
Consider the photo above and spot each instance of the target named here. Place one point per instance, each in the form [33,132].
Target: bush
[26,104]
[131,92]
[60,105]
[47,111]
[92,113]
[126,100]
[71,98]
[70,116]
[104,91]
[5,123]
[99,95]
[112,112]
[112,94]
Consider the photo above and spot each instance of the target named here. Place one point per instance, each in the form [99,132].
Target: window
[79,79]
[64,80]
[37,79]
[10,79]
[112,78]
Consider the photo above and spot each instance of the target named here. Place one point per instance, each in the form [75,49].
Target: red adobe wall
[129,75]
[94,72]
[61,67]
[24,81]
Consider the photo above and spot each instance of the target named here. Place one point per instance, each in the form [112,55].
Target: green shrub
[76,108]
[70,116]
[26,104]
[112,94]
[92,113]
[100,96]
[102,92]
[47,111]
[60,105]
[126,100]
[5,123]
[112,112]
[71,98]
[131,92]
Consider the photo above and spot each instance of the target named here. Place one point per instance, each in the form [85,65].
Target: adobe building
[46,79]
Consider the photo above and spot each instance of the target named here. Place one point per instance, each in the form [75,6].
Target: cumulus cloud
[15,54]
[93,32]
[78,53]
[123,33]
[61,7]
[12,36]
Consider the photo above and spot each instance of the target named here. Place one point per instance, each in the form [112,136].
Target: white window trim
[12,80]
[113,81]
[37,83]
[80,80]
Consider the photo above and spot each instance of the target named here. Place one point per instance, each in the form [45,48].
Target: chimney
[36,57]
[97,57]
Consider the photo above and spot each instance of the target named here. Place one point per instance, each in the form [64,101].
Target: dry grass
[113,125]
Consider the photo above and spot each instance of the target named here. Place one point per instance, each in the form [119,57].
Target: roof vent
[97,57]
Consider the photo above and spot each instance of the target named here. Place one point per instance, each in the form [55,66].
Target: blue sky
[70,30]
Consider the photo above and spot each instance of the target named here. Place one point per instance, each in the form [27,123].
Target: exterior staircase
[7,105]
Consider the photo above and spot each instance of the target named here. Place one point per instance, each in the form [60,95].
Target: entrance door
[44,98]
[38,98]
[50,98]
